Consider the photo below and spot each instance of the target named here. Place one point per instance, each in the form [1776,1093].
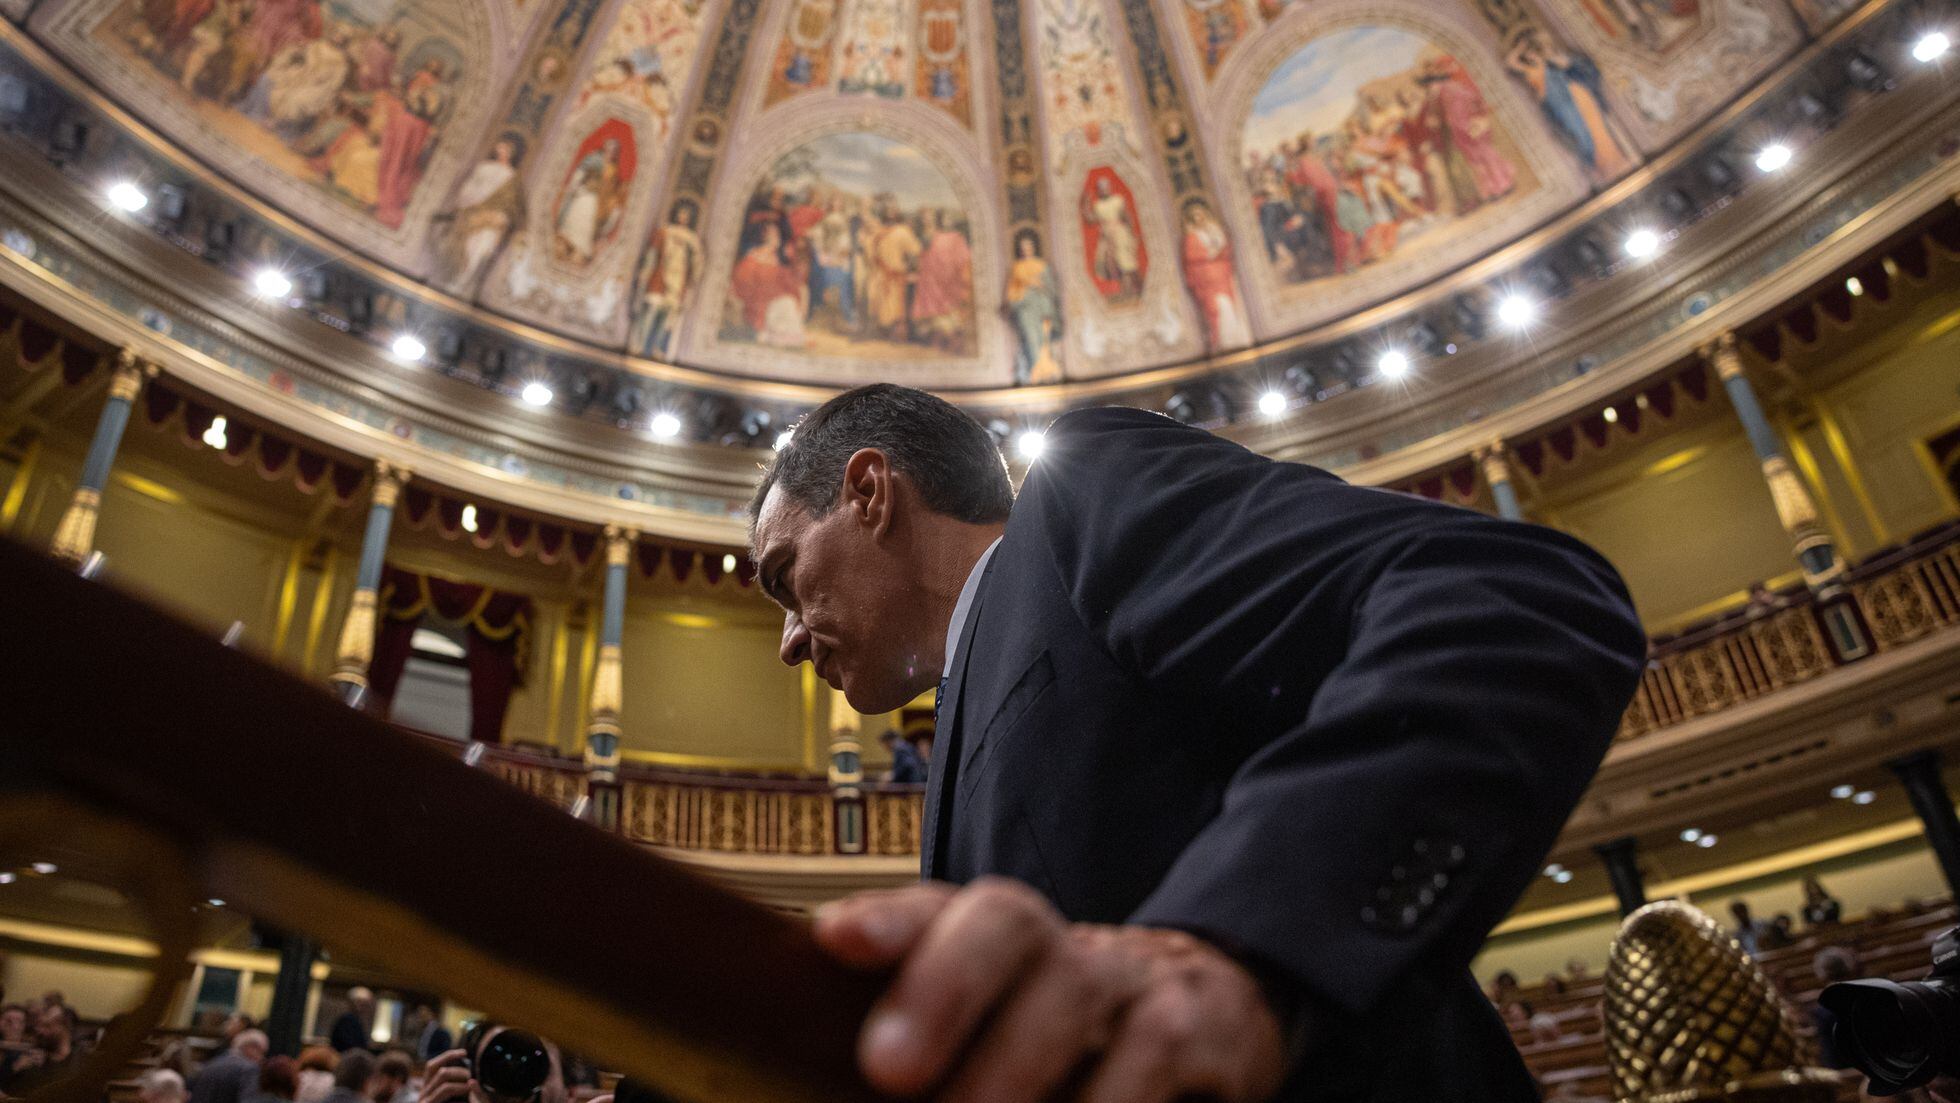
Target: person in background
[160,1086]
[1831,965]
[235,1024]
[355,1025]
[1820,908]
[351,1076]
[391,1076]
[1748,931]
[1554,984]
[53,1053]
[13,1037]
[316,1065]
[278,1081]
[1576,969]
[434,1037]
[231,1076]
[1504,988]
[907,767]
[1781,932]
[922,742]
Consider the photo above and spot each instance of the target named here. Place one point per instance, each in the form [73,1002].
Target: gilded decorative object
[74,537]
[356,641]
[1690,1017]
[1722,355]
[388,480]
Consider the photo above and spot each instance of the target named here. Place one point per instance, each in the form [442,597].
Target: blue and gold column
[1497,472]
[74,538]
[356,650]
[602,722]
[1816,553]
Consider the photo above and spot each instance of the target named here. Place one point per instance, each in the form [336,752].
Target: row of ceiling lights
[1515,311]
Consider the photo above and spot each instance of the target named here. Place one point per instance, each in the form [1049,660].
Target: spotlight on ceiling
[1393,364]
[215,902]
[665,425]
[215,434]
[1864,796]
[7,878]
[1773,157]
[1563,877]
[728,563]
[408,348]
[44,868]
[272,283]
[783,438]
[1272,404]
[1029,444]
[1706,841]
[469,517]
[1855,286]
[1843,792]
[1691,835]
[1611,414]
[1554,870]
[1516,311]
[125,196]
[1931,46]
[1642,243]
[536,393]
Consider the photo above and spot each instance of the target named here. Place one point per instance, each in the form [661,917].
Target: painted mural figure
[833,263]
[672,267]
[592,206]
[489,203]
[769,293]
[1406,145]
[895,248]
[1034,304]
[1653,24]
[1567,88]
[1118,256]
[333,97]
[1208,272]
[942,300]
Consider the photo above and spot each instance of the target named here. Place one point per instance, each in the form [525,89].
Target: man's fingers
[874,930]
[1064,1011]
[970,956]
[1145,1062]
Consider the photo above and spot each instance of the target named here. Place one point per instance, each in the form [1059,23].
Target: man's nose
[796,641]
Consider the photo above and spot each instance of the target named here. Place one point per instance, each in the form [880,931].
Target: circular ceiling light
[1774,157]
[1705,841]
[665,425]
[536,393]
[408,348]
[469,517]
[1516,311]
[1030,443]
[1692,834]
[1843,792]
[1272,404]
[1563,877]
[1864,796]
[1931,46]
[44,868]
[728,563]
[1642,243]
[127,196]
[1393,364]
[272,283]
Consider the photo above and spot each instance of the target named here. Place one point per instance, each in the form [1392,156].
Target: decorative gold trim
[282,623]
[619,544]
[1495,464]
[356,649]
[603,715]
[388,480]
[316,616]
[1722,355]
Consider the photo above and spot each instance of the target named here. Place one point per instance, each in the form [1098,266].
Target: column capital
[388,480]
[1724,355]
[619,544]
[129,373]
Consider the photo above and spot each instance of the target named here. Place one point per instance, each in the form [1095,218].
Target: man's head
[865,527]
[391,1075]
[361,1000]
[160,1086]
[54,1027]
[355,1069]
[13,1023]
[250,1044]
[236,1023]
[1740,909]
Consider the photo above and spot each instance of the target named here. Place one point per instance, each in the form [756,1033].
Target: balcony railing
[1901,595]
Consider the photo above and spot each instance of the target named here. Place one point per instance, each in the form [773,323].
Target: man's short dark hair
[951,459]
[356,1065]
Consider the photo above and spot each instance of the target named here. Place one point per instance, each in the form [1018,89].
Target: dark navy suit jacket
[1333,729]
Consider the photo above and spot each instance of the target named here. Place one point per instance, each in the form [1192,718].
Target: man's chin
[872,700]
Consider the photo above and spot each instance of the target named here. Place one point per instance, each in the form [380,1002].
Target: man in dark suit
[1238,764]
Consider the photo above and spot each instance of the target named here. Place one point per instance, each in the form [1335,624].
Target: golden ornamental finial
[1690,1017]
[1724,355]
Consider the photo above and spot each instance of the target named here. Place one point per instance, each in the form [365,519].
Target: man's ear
[868,491]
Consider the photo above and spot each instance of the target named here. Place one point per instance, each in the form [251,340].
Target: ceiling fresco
[953,193]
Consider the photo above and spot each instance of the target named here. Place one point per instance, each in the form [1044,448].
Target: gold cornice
[1025,398]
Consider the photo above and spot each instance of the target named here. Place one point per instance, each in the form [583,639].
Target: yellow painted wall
[709,686]
[95,990]
[1907,394]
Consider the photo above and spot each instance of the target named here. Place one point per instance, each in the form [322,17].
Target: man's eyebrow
[770,571]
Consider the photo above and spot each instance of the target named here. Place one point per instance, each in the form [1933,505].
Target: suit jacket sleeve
[1414,695]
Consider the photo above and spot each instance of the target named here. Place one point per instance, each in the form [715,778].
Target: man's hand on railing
[995,996]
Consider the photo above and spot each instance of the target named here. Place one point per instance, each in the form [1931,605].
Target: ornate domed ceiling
[952,193]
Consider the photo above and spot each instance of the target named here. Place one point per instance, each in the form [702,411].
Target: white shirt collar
[964,605]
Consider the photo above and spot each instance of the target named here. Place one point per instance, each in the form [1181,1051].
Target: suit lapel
[938,814]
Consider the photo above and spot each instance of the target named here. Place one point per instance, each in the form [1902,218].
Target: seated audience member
[54,1053]
[1748,931]
[235,1024]
[907,768]
[1576,969]
[1517,1013]
[1504,988]
[922,742]
[1545,1027]
[1820,908]
[1831,965]
[13,1037]
[1781,933]
[231,1076]
[391,1075]
[278,1081]
[351,1076]
[355,1026]
[1554,984]
[160,1086]
[316,1065]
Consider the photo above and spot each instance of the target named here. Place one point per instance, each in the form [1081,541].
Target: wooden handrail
[277,797]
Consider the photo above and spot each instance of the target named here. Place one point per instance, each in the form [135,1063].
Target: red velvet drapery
[497,628]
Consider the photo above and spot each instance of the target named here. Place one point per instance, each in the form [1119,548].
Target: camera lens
[1885,1039]
[1899,1035]
[513,1065]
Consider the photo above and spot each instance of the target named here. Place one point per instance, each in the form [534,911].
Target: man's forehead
[776,525]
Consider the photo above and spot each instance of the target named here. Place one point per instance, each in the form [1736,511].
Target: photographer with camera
[495,1064]
[1903,1036]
